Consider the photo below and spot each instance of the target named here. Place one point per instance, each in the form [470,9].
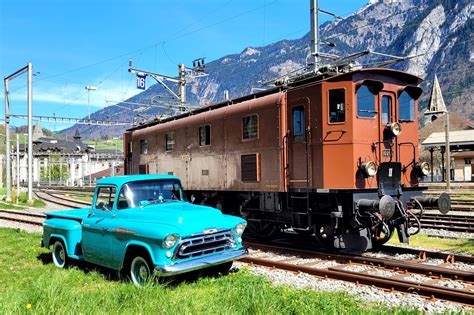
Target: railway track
[22,217]
[60,200]
[455,223]
[405,276]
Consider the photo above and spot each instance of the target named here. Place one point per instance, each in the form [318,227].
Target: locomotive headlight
[369,168]
[170,240]
[395,128]
[239,229]
[423,169]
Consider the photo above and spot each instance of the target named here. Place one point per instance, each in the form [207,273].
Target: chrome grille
[204,244]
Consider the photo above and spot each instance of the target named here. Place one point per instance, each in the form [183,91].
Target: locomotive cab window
[250,127]
[298,121]
[169,145]
[406,107]
[386,104]
[143,146]
[205,135]
[337,107]
[365,102]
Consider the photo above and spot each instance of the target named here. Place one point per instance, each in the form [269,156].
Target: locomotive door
[298,146]
[387,110]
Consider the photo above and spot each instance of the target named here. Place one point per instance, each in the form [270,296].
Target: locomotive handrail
[404,169]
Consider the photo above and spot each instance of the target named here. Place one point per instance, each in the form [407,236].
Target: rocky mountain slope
[438,31]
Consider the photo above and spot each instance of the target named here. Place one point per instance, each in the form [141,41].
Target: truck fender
[138,244]
[69,231]
[62,238]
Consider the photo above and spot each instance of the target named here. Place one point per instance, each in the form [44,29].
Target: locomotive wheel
[324,235]
[263,229]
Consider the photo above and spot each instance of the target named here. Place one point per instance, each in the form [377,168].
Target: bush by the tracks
[30,282]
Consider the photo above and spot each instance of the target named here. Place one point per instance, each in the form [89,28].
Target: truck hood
[186,218]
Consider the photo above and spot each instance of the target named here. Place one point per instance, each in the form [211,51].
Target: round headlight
[425,168]
[369,168]
[395,128]
[239,229]
[170,240]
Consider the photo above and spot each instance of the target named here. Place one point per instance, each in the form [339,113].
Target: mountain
[439,32]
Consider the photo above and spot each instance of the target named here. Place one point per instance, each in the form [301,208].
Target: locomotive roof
[403,76]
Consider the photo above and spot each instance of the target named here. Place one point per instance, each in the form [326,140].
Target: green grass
[9,206]
[30,282]
[111,144]
[462,245]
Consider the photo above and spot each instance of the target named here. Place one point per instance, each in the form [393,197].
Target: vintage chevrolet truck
[143,226]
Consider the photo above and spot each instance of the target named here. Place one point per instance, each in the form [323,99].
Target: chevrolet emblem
[210,231]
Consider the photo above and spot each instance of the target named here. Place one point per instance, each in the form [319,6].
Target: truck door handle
[90,214]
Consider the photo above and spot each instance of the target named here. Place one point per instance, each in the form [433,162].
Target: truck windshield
[143,193]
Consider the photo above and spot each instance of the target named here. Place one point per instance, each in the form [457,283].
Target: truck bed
[74,214]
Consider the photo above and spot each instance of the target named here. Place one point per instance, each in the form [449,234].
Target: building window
[143,146]
[337,101]
[250,127]
[298,121]
[386,102]
[205,135]
[365,102]
[467,161]
[169,141]
[250,167]
[406,106]
[143,169]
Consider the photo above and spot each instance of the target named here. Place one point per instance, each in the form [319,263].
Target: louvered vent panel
[249,168]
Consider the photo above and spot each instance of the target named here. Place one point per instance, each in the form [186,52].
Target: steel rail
[428,290]
[63,201]
[392,264]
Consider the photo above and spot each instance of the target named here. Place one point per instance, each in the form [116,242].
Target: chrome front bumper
[199,263]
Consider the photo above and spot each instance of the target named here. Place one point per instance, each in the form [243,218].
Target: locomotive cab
[374,113]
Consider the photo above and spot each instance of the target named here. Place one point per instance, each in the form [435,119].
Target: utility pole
[448,153]
[89,88]
[27,69]
[183,73]
[314,34]
[17,166]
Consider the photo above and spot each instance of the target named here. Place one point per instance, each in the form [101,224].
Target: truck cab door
[97,230]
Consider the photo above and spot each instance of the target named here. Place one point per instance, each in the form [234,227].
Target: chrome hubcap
[143,272]
[61,254]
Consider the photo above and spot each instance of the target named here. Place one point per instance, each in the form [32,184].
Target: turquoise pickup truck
[143,226]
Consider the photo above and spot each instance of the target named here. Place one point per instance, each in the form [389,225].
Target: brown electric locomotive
[331,155]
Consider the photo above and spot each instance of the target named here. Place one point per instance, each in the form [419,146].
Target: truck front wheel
[59,254]
[140,271]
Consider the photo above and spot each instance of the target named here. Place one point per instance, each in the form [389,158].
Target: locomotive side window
[298,121]
[365,102]
[205,135]
[386,109]
[250,127]
[169,142]
[406,107]
[337,108]
[143,146]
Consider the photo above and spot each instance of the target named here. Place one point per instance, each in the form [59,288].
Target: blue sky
[76,43]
